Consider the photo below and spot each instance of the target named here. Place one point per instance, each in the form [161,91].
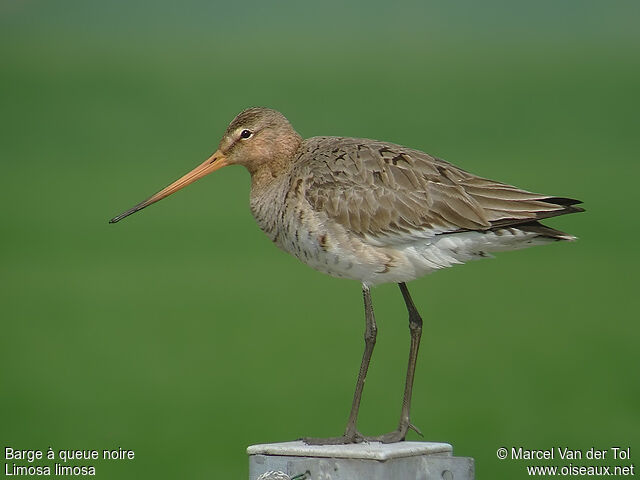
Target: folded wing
[389,194]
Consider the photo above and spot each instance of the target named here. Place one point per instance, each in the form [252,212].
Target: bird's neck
[264,173]
[267,173]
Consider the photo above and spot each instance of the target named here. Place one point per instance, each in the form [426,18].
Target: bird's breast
[285,215]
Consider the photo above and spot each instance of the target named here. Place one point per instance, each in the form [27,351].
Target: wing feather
[387,192]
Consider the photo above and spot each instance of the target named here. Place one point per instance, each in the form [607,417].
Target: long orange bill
[211,164]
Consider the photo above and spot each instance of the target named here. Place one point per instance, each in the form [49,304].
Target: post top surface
[364,450]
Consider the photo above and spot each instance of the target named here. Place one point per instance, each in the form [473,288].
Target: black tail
[547,232]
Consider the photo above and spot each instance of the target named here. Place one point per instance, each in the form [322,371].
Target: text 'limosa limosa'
[375,212]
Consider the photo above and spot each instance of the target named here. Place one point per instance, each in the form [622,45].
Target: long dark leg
[370,333]
[415,328]
[351,434]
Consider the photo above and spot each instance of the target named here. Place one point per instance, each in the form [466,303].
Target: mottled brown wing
[387,192]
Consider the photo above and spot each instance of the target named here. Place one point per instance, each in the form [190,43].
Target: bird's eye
[246,133]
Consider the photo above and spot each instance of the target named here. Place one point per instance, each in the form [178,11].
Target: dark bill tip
[127,213]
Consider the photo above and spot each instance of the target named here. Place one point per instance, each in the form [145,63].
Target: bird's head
[257,138]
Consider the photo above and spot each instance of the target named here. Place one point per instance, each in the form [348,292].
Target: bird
[375,212]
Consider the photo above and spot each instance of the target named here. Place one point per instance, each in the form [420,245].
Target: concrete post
[370,461]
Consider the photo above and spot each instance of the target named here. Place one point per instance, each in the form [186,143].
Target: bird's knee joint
[370,335]
[415,323]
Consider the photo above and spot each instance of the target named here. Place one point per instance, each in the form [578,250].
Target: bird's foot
[350,436]
[397,435]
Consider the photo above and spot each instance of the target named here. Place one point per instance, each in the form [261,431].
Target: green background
[184,334]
